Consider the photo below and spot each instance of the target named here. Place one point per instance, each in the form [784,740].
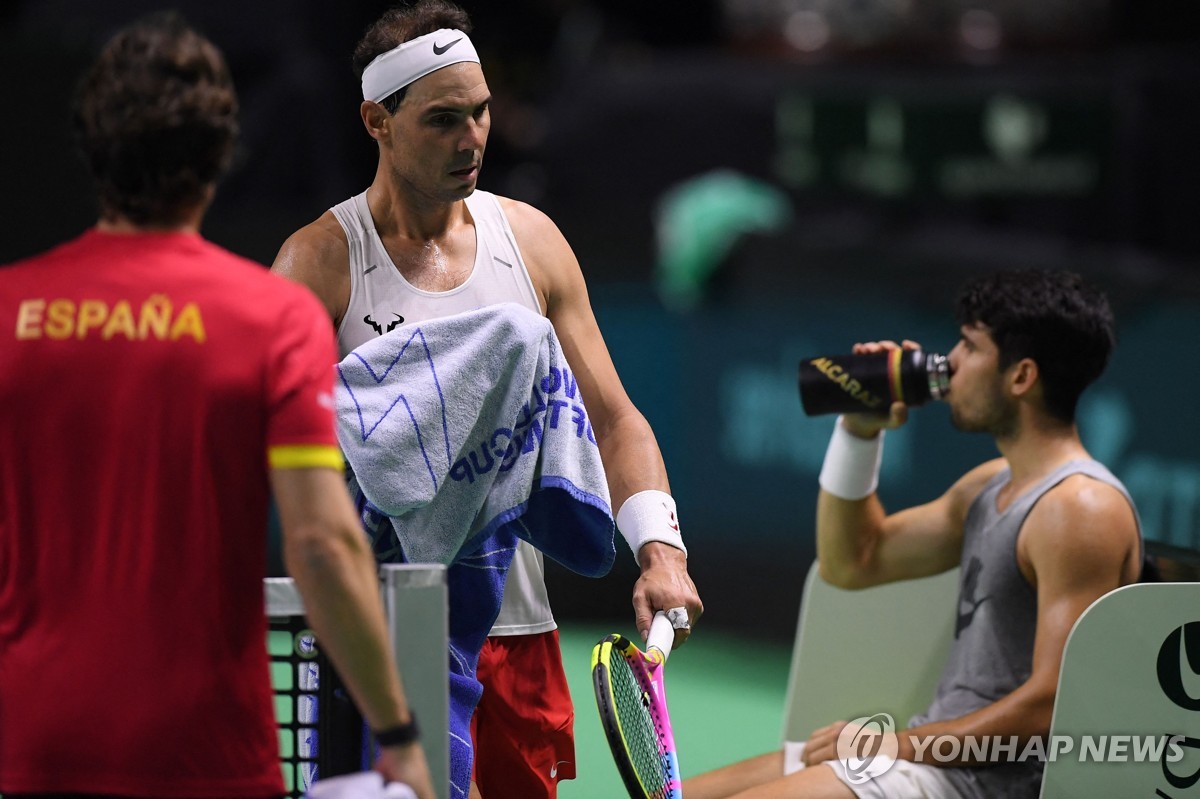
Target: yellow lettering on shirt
[120,321]
[154,319]
[60,319]
[92,314]
[29,319]
[188,323]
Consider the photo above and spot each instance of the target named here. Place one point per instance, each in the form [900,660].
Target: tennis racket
[632,701]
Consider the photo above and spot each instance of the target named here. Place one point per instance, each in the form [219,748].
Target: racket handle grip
[662,635]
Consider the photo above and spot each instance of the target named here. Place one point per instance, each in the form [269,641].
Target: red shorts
[522,729]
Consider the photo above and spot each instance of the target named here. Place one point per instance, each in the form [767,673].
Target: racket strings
[640,727]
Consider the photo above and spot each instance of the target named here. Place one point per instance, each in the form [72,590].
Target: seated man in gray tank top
[1039,533]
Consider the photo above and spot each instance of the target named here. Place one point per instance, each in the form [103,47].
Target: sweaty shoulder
[318,256]
[551,262]
[1087,523]
[536,233]
[1086,508]
[523,215]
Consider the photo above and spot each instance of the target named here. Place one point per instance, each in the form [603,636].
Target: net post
[417,610]
[295,684]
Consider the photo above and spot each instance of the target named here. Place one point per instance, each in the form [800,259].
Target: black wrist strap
[400,735]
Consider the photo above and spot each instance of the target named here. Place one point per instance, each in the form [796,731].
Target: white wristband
[649,516]
[851,468]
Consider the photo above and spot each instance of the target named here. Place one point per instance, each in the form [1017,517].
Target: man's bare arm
[630,453]
[326,554]
[318,256]
[859,545]
[1078,543]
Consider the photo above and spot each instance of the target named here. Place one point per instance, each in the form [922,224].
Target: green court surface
[725,696]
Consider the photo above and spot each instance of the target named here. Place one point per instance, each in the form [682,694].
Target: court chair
[1131,668]
[874,650]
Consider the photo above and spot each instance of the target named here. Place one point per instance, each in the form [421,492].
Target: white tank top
[381,299]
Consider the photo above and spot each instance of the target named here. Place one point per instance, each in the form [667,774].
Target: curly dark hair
[397,26]
[156,119]
[1065,325]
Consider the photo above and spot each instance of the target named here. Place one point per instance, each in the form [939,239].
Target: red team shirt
[145,383]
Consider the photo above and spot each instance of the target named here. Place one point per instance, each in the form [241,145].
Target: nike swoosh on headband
[414,59]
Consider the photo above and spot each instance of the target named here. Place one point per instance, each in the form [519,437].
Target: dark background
[875,153]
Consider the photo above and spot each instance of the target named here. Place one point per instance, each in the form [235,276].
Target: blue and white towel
[458,426]
[465,433]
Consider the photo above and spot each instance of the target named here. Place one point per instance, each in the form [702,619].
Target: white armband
[851,468]
[649,516]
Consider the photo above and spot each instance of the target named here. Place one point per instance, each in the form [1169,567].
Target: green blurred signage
[975,146]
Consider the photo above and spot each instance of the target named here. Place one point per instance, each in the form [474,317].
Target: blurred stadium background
[747,182]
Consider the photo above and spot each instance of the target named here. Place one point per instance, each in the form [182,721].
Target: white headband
[415,59]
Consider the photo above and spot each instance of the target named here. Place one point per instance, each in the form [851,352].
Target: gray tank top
[992,653]
[381,299]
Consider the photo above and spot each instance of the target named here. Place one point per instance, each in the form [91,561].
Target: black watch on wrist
[400,735]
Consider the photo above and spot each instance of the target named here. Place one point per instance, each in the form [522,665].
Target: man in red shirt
[156,389]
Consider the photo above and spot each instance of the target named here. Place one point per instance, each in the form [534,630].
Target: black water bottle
[871,382]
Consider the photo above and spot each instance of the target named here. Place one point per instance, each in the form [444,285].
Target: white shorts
[903,779]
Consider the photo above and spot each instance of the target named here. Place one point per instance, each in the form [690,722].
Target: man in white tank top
[420,243]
